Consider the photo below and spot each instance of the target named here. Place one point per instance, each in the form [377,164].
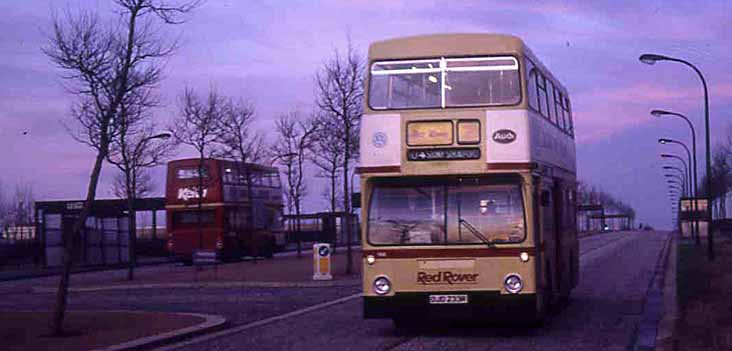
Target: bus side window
[568,112]
[551,111]
[531,88]
[543,108]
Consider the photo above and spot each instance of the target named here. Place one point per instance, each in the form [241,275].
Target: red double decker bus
[231,224]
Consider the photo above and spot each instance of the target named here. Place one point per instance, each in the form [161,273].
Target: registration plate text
[448,299]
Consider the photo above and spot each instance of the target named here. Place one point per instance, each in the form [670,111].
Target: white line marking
[258,323]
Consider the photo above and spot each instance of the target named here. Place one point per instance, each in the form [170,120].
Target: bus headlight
[513,283]
[370,259]
[382,286]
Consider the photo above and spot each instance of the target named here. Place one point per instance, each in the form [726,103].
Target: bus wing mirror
[545,198]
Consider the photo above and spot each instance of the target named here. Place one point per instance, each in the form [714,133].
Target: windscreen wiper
[477,233]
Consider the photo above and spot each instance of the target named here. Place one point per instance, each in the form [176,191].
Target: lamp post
[694,194]
[682,173]
[694,224]
[132,219]
[694,228]
[676,177]
[652,59]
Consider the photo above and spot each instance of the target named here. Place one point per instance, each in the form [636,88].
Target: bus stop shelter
[103,239]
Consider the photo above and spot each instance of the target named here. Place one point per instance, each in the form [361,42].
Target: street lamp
[132,246]
[672,156]
[694,228]
[682,172]
[661,113]
[652,59]
[681,180]
[664,141]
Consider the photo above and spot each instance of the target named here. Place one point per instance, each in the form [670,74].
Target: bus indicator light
[370,259]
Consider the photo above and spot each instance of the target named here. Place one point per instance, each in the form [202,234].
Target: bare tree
[107,67]
[721,175]
[246,146]
[144,186]
[198,126]
[332,194]
[328,157]
[291,150]
[21,206]
[339,95]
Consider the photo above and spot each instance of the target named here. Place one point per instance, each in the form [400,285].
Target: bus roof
[454,44]
[193,161]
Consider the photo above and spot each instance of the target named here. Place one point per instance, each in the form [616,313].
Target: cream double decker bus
[468,180]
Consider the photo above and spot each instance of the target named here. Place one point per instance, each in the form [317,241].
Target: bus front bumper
[480,304]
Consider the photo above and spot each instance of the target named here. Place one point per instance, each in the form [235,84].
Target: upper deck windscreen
[445,82]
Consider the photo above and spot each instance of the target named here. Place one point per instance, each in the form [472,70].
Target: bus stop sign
[321,262]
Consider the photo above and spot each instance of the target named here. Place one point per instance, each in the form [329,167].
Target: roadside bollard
[321,262]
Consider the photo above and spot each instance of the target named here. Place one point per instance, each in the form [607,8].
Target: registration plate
[448,299]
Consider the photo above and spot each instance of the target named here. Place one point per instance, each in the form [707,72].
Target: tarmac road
[616,269]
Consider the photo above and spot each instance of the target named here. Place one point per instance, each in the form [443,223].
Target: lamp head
[163,136]
[650,59]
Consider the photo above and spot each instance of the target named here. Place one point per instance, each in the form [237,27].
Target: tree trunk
[131,226]
[333,191]
[132,239]
[346,204]
[63,286]
[333,206]
[250,198]
[299,228]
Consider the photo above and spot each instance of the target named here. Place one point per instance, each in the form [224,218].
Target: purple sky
[268,52]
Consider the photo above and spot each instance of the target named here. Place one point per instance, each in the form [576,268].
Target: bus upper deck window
[191,172]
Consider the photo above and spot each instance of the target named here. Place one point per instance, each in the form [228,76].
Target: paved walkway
[287,270]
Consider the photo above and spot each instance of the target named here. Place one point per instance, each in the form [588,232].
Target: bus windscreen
[446,214]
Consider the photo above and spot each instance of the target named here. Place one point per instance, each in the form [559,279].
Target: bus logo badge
[446,277]
[379,140]
[504,136]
